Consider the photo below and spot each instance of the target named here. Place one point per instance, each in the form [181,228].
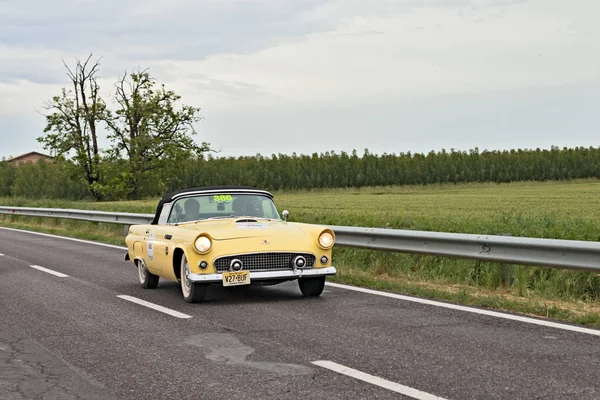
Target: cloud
[425,51]
[268,68]
[152,29]
[17,63]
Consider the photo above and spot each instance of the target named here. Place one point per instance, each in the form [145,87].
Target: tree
[7,177]
[72,123]
[150,130]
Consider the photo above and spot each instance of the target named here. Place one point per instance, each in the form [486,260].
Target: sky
[305,76]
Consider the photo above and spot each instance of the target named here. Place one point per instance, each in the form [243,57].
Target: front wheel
[147,279]
[192,292]
[311,287]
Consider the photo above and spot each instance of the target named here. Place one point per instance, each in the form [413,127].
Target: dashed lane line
[49,271]
[153,306]
[375,380]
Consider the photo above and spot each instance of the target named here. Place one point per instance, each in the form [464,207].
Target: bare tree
[72,122]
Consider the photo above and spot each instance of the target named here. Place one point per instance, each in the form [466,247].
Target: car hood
[239,228]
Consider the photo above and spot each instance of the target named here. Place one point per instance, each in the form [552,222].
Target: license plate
[236,278]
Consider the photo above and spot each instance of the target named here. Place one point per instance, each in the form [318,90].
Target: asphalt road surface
[74,325]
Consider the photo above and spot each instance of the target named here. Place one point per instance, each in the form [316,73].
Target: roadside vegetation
[64,180]
[563,210]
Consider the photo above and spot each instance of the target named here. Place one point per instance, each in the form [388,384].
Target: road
[70,336]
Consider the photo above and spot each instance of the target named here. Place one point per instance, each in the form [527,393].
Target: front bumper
[268,275]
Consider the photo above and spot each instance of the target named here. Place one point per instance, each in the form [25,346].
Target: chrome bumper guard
[268,275]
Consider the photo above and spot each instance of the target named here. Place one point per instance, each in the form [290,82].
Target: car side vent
[245,220]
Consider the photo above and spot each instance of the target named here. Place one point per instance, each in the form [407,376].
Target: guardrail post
[508,275]
[125,229]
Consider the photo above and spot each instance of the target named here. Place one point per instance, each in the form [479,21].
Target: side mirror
[285,214]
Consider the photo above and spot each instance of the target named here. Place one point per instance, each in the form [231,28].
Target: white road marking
[67,238]
[375,380]
[153,306]
[1,254]
[496,314]
[385,294]
[49,271]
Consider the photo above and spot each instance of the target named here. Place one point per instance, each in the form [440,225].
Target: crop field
[564,210]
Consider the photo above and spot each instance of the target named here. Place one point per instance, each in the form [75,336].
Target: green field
[564,210]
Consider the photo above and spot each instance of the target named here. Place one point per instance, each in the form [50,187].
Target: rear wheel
[147,279]
[192,292]
[311,287]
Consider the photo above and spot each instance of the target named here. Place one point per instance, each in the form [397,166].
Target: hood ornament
[266,242]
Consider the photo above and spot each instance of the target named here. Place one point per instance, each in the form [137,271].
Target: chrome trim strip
[215,191]
[302,252]
[262,275]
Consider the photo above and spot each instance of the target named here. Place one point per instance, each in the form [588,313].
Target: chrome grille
[264,261]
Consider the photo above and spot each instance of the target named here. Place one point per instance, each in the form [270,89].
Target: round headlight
[203,244]
[326,240]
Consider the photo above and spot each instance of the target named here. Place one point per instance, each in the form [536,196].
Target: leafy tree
[7,177]
[150,130]
[71,130]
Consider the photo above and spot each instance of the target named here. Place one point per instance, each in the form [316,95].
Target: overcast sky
[309,76]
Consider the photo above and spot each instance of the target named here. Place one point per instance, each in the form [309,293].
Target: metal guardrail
[84,215]
[555,253]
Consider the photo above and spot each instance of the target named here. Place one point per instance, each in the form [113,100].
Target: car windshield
[223,205]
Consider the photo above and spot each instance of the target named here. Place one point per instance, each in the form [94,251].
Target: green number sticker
[222,197]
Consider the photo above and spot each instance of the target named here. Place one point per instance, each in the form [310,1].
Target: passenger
[192,210]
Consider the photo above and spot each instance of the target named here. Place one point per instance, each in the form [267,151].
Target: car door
[159,247]
[165,248]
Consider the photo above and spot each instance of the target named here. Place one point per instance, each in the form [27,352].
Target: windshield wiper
[220,217]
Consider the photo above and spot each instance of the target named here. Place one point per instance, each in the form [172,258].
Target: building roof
[31,153]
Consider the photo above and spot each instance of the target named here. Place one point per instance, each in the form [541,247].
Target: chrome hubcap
[142,271]
[186,284]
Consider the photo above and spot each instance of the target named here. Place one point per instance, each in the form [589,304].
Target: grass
[566,210]
[563,210]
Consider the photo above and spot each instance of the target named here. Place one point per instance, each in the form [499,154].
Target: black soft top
[167,198]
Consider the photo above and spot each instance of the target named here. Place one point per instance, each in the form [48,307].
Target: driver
[192,209]
[243,206]
[239,206]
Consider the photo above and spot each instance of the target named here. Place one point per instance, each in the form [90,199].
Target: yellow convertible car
[230,236]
